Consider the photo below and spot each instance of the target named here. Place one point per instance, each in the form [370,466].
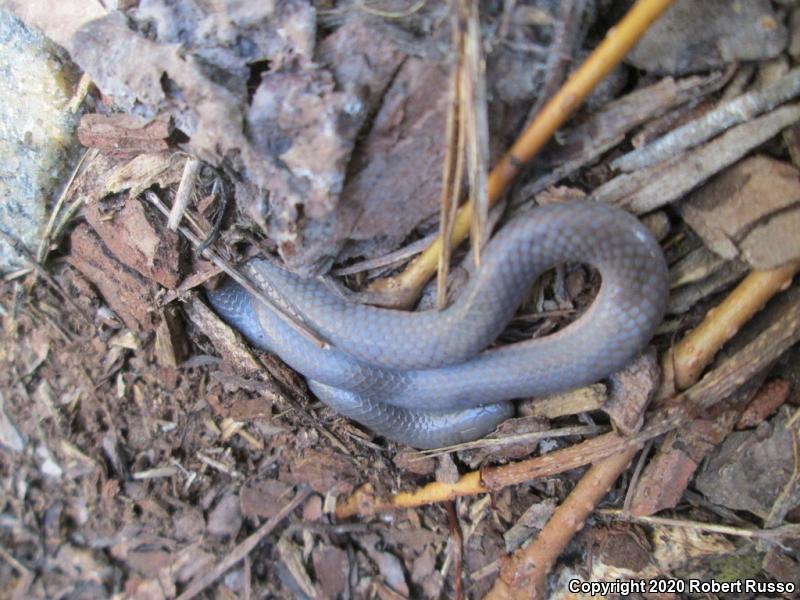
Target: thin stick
[473,82]
[245,548]
[739,110]
[453,165]
[456,548]
[778,533]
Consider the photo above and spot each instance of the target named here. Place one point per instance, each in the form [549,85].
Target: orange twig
[684,364]
[524,573]
[406,286]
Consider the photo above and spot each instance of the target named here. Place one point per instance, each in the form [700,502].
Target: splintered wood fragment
[686,296]
[583,399]
[695,266]
[406,287]
[683,364]
[184,193]
[142,172]
[244,548]
[171,345]
[739,110]
[226,341]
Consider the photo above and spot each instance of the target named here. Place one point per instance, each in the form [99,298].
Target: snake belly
[425,378]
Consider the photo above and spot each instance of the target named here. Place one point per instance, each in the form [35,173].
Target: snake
[432,378]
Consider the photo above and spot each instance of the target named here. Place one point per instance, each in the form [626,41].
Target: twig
[407,286]
[715,386]
[453,164]
[648,189]
[387,259]
[584,430]
[777,534]
[456,548]
[739,110]
[689,358]
[524,574]
[473,84]
[244,548]
[185,190]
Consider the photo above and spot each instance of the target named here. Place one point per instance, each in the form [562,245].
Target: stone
[36,139]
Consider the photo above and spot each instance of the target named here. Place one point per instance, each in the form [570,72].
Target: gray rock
[35,132]
[696,36]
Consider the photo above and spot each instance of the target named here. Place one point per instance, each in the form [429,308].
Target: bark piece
[122,134]
[767,401]
[225,519]
[415,462]
[632,389]
[138,238]
[669,472]
[752,209]
[324,471]
[751,469]
[332,567]
[264,499]
[126,292]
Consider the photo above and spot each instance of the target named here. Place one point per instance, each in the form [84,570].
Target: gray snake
[426,378]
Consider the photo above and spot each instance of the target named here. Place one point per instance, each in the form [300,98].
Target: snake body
[425,378]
